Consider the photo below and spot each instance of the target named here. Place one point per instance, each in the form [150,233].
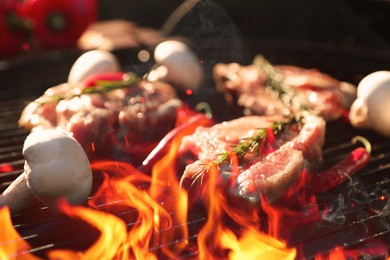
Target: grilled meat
[311,89]
[128,120]
[269,170]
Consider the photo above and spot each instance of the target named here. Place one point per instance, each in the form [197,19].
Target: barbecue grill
[359,213]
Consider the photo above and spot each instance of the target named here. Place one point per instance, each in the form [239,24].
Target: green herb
[57,99]
[274,79]
[277,83]
[100,87]
[251,144]
[254,143]
[104,86]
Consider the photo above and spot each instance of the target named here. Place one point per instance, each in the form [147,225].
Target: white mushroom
[372,106]
[56,167]
[91,63]
[176,63]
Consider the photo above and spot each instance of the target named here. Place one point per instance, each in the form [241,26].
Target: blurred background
[344,22]
[348,23]
[346,38]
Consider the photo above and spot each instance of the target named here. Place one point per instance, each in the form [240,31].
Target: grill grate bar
[10,156]
[5,135]
[12,140]
[11,149]
[19,103]
[46,230]
[326,228]
[77,232]
[360,243]
[7,178]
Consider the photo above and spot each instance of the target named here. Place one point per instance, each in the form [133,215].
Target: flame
[335,254]
[113,234]
[12,245]
[165,187]
[156,209]
[256,245]
[5,167]
[373,249]
[216,238]
[302,208]
[124,191]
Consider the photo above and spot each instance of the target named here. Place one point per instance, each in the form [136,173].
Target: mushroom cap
[56,167]
[91,63]
[177,64]
[372,82]
[370,109]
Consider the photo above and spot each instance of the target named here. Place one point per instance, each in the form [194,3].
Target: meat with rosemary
[125,116]
[264,89]
[271,152]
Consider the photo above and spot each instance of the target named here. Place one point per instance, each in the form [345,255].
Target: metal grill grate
[367,222]
[361,216]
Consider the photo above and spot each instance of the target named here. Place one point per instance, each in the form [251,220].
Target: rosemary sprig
[100,87]
[104,86]
[274,79]
[254,143]
[251,144]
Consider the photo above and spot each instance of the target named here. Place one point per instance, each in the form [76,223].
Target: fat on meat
[127,121]
[271,172]
[324,95]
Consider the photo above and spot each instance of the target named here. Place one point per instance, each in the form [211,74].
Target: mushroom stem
[18,196]
[56,167]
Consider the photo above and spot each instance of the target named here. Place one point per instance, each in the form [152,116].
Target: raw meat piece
[322,94]
[129,120]
[272,171]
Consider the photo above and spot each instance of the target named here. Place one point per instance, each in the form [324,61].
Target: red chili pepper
[161,148]
[107,76]
[59,23]
[135,147]
[270,136]
[340,172]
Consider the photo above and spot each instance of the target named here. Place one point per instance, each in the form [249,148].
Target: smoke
[211,34]
[208,30]
[362,208]
[336,211]
[376,197]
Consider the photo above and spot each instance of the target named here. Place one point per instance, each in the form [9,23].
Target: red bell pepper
[59,23]
[11,37]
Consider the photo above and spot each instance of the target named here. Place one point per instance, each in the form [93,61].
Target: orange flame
[335,254]
[165,187]
[257,245]
[373,249]
[157,209]
[12,245]
[113,234]
[149,217]
[281,217]
[216,238]
[6,167]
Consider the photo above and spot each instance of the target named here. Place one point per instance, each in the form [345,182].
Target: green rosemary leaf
[248,145]
[101,87]
[104,86]
[277,83]
[57,99]
[274,79]
[253,144]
